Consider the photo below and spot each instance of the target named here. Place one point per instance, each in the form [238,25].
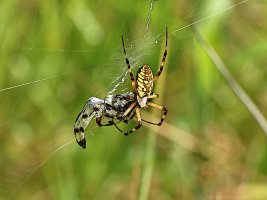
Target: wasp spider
[142,87]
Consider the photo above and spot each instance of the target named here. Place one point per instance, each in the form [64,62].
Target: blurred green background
[210,146]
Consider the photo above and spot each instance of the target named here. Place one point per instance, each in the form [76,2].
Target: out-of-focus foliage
[74,49]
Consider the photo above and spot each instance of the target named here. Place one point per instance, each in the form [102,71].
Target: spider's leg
[102,112]
[152,96]
[131,107]
[129,67]
[118,127]
[163,58]
[129,118]
[138,116]
[132,116]
[165,112]
[99,118]
[110,123]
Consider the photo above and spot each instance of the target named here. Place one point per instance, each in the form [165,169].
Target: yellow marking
[141,85]
[142,73]
[147,78]
[140,80]
[141,93]
[141,76]
[146,82]
[138,115]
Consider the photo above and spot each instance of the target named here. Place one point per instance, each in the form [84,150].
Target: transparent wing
[84,118]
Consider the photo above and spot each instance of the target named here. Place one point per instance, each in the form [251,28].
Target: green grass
[210,145]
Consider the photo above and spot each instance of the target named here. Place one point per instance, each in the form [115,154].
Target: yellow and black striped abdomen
[144,81]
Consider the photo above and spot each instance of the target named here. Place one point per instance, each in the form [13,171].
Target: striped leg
[138,116]
[118,127]
[163,58]
[110,123]
[129,67]
[131,107]
[165,112]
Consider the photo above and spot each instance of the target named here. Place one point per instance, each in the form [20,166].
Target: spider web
[38,127]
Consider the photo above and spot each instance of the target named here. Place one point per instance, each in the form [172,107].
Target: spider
[142,89]
[112,107]
[122,107]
